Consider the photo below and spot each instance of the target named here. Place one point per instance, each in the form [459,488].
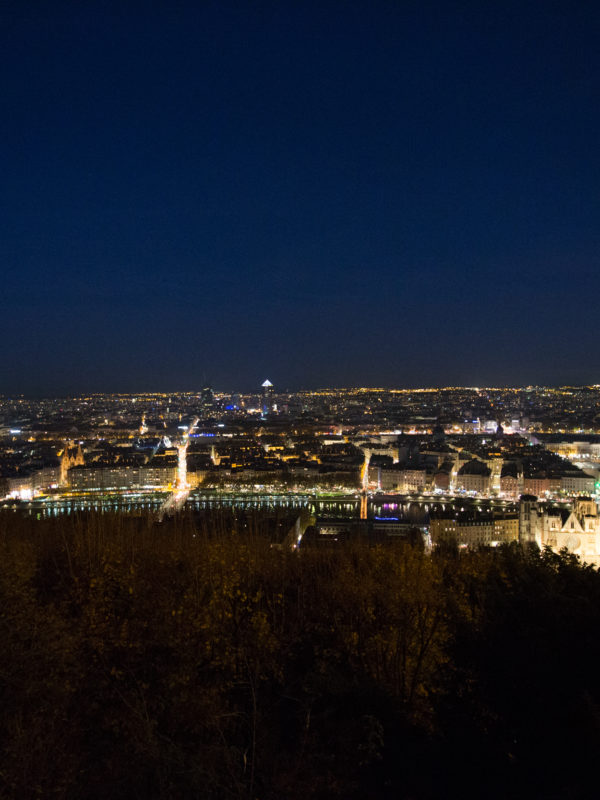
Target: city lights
[457,461]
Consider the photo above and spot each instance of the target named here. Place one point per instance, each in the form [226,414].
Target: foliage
[190,658]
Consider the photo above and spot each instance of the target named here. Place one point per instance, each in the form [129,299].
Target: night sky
[329,194]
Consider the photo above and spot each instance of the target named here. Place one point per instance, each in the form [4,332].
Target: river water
[414,508]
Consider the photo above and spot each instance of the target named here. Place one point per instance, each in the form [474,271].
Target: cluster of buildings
[574,526]
[484,444]
[480,442]
[504,465]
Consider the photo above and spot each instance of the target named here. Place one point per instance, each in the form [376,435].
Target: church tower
[530,520]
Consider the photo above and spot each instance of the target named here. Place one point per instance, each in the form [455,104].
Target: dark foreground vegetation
[192,659]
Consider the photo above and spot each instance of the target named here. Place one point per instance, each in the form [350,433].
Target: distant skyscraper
[267,396]
[206,395]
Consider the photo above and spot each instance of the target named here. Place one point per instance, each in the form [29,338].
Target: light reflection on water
[415,509]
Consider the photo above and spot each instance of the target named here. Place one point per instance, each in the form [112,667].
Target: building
[485,530]
[413,481]
[394,478]
[82,479]
[442,477]
[573,483]
[474,476]
[511,481]
[71,457]
[579,532]
[530,520]
[576,528]
[537,485]
[389,478]
[30,481]
[267,397]
[576,450]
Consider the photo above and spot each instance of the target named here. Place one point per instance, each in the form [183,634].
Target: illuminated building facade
[116,477]
[487,531]
[577,529]
[267,397]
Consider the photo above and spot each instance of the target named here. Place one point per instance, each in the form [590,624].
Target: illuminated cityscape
[299,401]
[479,465]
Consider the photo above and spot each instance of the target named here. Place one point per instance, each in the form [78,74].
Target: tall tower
[267,397]
[530,520]
[71,457]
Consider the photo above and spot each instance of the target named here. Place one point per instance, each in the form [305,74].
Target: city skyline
[257,390]
[399,195]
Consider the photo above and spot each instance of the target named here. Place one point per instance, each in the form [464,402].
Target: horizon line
[323,389]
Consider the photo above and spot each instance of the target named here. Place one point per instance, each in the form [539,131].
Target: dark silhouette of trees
[191,659]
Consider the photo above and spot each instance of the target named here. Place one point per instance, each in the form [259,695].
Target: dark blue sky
[376,193]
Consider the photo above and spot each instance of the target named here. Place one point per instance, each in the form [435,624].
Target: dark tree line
[192,659]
